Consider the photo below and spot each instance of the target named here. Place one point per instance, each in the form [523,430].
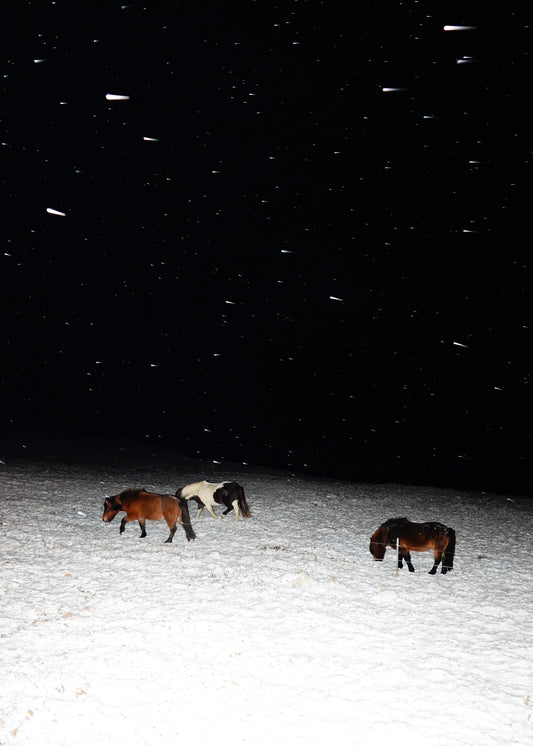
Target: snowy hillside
[277,629]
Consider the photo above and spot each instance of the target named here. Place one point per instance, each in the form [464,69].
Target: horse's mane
[134,492]
[385,527]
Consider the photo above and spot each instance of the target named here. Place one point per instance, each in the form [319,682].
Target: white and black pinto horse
[208,494]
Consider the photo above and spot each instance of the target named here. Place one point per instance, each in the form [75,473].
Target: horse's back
[204,489]
[418,536]
[143,504]
[195,488]
[197,485]
[441,527]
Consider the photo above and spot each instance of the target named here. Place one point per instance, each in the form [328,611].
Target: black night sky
[297,239]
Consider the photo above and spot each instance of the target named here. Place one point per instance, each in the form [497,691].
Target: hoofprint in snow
[278,629]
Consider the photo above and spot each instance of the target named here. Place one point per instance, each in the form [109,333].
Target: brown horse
[141,506]
[416,536]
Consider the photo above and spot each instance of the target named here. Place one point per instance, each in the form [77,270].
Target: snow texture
[276,629]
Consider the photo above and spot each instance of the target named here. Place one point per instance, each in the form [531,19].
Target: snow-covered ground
[280,629]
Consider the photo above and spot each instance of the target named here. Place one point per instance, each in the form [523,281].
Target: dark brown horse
[416,536]
[141,506]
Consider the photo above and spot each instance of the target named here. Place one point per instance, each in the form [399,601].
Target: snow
[459,28]
[280,628]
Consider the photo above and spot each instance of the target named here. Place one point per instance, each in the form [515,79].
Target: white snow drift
[279,629]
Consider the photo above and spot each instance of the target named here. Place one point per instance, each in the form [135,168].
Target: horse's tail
[243,505]
[186,519]
[449,552]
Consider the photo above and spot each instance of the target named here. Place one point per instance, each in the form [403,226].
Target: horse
[141,506]
[207,494]
[416,536]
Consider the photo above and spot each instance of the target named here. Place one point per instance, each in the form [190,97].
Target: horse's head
[378,542]
[112,506]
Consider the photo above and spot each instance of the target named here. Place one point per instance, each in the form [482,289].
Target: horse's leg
[233,506]
[448,551]
[142,524]
[444,568]
[172,532]
[407,558]
[123,522]
[127,519]
[437,556]
[444,555]
[200,504]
